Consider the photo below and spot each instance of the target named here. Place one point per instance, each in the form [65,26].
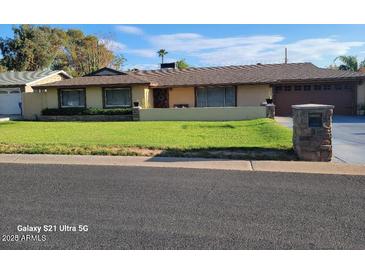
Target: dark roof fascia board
[320,80]
[92,85]
[12,86]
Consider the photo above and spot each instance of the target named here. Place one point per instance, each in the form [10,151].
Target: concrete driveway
[348,138]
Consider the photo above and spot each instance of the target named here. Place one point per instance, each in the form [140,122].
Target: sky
[215,45]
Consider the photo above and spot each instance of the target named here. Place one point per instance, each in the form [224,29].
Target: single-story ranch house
[208,87]
[17,87]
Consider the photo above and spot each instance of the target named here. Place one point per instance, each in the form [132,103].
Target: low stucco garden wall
[203,114]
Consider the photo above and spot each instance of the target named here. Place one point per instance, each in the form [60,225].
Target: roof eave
[90,85]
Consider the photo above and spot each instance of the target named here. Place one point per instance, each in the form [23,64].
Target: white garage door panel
[9,101]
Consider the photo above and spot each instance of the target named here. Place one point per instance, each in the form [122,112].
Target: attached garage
[10,99]
[16,88]
[340,94]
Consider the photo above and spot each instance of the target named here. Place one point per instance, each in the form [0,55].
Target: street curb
[196,163]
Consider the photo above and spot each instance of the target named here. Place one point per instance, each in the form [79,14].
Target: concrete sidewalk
[197,163]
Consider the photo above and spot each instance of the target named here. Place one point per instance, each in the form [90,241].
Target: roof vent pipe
[286,56]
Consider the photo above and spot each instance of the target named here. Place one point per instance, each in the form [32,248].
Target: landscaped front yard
[211,139]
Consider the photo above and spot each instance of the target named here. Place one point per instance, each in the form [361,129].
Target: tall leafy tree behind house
[349,62]
[162,53]
[119,62]
[31,48]
[182,64]
[83,54]
[41,47]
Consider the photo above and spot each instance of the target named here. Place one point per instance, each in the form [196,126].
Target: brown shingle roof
[125,79]
[248,74]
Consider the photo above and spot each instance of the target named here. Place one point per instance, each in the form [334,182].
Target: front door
[160,98]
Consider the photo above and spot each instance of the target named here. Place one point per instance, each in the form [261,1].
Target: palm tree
[349,63]
[161,53]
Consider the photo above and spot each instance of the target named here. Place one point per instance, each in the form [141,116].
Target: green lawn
[58,137]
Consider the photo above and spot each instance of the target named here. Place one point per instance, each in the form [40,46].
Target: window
[215,97]
[287,88]
[279,88]
[347,87]
[326,87]
[117,97]
[317,87]
[72,98]
[307,87]
[338,87]
[297,88]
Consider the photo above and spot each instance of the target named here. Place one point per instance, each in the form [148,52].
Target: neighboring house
[226,86]
[16,89]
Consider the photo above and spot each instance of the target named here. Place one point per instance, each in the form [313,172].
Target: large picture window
[117,97]
[216,97]
[72,98]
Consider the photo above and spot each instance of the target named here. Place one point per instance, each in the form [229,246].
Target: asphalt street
[170,208]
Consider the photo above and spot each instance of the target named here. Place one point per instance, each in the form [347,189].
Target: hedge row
[86,111]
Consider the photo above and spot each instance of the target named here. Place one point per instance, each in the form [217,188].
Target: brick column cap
[313,106]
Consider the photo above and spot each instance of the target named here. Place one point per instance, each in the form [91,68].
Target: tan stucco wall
[34,102]
[361,94]
[50,98]
[94,97]
[140,94]
[202,114]
[182,95]
[252,95]
[247,95]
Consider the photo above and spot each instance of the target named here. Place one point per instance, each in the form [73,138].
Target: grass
[143,138]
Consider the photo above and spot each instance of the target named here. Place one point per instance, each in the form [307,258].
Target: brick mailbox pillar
[312,132]
[136,111]
[270,111]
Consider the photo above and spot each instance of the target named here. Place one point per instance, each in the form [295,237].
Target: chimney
[286,56]
[168,65]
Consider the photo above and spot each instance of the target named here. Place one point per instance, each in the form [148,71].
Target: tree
[119,62]
[181,64]
[83,54]
[31,48]
[41,47]
[162,53]
[349,63]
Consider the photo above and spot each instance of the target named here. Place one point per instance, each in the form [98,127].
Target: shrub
[85,111]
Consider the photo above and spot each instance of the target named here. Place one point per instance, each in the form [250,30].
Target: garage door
[9,101]
[341,95]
